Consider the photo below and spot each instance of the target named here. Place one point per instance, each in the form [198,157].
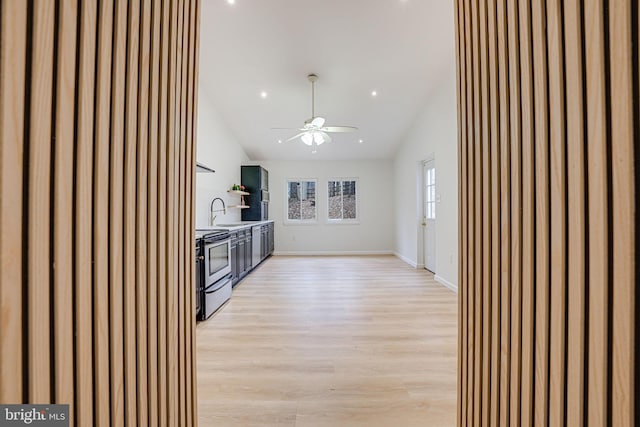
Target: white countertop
[232,226]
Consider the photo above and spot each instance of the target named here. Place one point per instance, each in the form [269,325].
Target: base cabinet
[242,249]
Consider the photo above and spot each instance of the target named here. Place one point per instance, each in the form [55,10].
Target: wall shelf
[238,192]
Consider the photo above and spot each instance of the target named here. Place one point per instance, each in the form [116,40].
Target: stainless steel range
[213,289]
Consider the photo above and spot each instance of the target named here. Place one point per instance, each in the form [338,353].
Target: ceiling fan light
[318,138]
[307,139]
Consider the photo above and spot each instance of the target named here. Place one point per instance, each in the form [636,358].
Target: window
[430,187]
[343,200]
[301,200]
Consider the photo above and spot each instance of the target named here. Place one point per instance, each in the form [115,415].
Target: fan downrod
[312,78]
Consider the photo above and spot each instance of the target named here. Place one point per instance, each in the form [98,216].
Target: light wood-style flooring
[331,341]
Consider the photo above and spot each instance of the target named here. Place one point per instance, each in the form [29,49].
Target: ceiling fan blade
[297,136]
[318,122]
[339,129]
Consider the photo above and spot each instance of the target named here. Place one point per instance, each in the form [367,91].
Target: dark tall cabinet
[256,181]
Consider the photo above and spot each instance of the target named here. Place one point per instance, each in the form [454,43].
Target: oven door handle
[222,282]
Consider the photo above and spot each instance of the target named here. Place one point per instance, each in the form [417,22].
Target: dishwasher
[256,246]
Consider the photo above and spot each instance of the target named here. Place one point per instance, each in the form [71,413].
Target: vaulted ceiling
[398,48]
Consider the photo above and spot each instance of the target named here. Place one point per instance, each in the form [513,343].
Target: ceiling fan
[314,132]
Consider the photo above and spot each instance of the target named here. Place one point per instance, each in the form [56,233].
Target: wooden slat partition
[97,124]
[549,146]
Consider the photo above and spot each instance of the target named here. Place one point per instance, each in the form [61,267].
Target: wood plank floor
[331,341]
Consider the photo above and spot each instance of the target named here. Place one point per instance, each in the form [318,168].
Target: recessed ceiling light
[374,93]
[279,141]
[360,141]
[263,94]
[231,1]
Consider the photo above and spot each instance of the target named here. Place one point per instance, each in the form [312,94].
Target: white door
[429,215]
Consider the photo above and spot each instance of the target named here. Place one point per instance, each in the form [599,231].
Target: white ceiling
[400,48]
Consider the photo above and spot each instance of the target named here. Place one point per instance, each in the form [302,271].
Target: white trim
[331,253]
[446,283]
[411,262]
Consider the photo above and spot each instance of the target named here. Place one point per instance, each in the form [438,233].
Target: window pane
[349,200]
[293,200]
[342,199]
[308,200]
[334,191]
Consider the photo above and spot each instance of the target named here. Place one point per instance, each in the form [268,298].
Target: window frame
[343,221]
[289,221]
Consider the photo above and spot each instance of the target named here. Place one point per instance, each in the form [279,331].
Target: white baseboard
[330,253]
[411,262]
[446,283]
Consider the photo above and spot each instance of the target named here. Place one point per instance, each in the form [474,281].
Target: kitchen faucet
[212,217]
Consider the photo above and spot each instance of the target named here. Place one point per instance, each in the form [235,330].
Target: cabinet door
[234,261]
[241,257]
[264,178]
[247,252]
[271,238]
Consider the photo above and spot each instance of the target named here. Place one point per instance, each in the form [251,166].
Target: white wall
[434,133]
[374,232]
[219,150]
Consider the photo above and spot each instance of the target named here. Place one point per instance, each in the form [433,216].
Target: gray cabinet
[256,181]
[242,249]
[241,262]
[235,277]
[267,240]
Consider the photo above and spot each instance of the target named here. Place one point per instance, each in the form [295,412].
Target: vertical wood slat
[469,253]
[191,161]
[40,109]
[528,215]
[623,207]
[562,109]
[163,399]
[101,281]
[141,216]
[541,151]
[576,275]
[494,409]
[515,257]
[461,178]
[598,223]
[180,231]
[557,181]
[116,226]
[83,260]
[470,234]
[129,222]
[13,38]
[485,288]
[172,270]
[152,234]
[63,205]
[475,281]
[505,214]
[464,325]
